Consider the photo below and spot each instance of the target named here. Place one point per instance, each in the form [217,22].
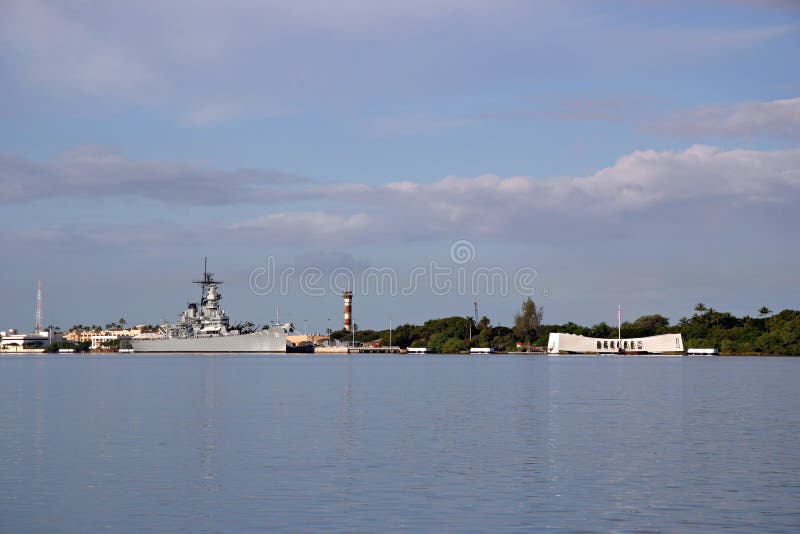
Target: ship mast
[206,282]
[619,322]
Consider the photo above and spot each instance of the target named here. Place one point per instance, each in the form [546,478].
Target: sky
[428,155]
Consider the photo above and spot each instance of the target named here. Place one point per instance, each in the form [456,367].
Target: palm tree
[700,307]
[122,322]
[764,311]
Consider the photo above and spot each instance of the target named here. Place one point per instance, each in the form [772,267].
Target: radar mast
[206,283]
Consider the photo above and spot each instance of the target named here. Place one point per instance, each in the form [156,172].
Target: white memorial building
[574,344]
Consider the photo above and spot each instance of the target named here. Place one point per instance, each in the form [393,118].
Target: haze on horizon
[644,154]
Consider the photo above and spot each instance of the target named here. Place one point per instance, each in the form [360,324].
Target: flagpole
[619,322]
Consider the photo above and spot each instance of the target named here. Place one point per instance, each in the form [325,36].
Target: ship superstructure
[205,327]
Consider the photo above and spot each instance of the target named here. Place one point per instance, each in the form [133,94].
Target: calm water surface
[377,443]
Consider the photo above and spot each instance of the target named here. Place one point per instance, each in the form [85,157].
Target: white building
[97,341]
[559,343]
[12,341]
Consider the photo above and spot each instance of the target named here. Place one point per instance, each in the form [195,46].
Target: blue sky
[636,153]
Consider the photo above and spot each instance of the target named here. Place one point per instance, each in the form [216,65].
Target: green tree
[700,307]
[436,342]
[600,330]
[60,345]
[485,338]
[646,325]
[526,323]
[454,346]
[764,311]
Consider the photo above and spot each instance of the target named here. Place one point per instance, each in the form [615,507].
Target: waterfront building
[80,336]
[33,342]
[98,340]
[559,343]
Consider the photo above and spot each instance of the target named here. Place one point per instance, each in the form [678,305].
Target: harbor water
[167,443]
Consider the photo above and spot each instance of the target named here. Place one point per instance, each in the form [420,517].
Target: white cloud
[310,227]
[687,181]
[637,182]
[488,205]
[775,118]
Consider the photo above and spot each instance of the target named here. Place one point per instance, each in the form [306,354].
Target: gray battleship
[206,328]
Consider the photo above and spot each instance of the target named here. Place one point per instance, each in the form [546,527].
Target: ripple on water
[246,444]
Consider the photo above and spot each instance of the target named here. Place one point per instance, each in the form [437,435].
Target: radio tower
[38,327]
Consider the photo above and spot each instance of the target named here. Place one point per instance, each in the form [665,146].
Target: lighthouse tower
[348,310]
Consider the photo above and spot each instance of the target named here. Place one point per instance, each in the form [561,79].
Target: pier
[357,350]
[373,350]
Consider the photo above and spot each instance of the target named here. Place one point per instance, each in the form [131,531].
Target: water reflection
[209,432]
[346,435]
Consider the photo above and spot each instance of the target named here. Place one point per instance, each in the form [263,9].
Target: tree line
[767,333]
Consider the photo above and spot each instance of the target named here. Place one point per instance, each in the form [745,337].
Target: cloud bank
[481,206]
[775,118]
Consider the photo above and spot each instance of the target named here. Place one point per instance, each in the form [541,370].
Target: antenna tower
[208,280]
[38,327]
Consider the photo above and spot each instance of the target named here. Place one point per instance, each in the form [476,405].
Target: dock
[357,350]
[373,350]
[702,352]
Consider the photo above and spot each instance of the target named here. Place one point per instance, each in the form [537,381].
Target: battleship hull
[273,340]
